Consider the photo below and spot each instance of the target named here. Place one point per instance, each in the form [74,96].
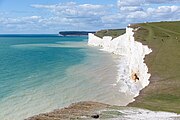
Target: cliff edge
[132,71]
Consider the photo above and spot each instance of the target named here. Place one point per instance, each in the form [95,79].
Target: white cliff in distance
[132,71]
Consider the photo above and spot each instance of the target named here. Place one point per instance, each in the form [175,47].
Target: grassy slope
[163,93]
[111,32]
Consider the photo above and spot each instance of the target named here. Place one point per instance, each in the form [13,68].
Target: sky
[52,16]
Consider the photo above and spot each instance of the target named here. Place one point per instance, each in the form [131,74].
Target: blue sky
[52,16]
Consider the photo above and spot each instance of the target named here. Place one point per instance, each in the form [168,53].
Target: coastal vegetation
[163,93]
[75,33]
[110,32]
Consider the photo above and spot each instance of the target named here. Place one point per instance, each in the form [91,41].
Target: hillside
[75,33]
[110,32]
[163,93]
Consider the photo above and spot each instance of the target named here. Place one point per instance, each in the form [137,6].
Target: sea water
[39,73]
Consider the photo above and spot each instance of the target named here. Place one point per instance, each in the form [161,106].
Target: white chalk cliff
[132,71]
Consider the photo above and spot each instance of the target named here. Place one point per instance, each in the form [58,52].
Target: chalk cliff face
[132,71]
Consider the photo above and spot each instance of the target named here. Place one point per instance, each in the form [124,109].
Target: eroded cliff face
[132,71]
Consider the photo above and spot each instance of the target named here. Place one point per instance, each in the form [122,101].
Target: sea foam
[132,71]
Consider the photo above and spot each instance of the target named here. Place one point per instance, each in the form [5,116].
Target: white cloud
[137,15]
[164,13]
[123,3]
[161,1]
[130,8]
[73,16]
[20,20]
[78,15]
[164,9]
[34,17]
[20,24]
[74,9]
[143,10]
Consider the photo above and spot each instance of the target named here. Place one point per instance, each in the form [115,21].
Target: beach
[157,96]
[50,72]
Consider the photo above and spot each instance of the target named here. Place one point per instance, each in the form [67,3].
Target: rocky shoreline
[81,110]
[93,110]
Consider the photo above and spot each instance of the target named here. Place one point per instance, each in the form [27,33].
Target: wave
[55,45]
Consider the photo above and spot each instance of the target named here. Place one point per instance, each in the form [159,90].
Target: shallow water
[42,73]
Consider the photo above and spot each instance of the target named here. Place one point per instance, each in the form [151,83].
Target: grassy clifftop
[110,32]
[163,93]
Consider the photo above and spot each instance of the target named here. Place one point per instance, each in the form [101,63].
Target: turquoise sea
[39,73]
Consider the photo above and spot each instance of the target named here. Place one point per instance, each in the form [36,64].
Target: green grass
[163,92]
[110,32]
[164,65]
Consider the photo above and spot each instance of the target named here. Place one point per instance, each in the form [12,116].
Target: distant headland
[75,33]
